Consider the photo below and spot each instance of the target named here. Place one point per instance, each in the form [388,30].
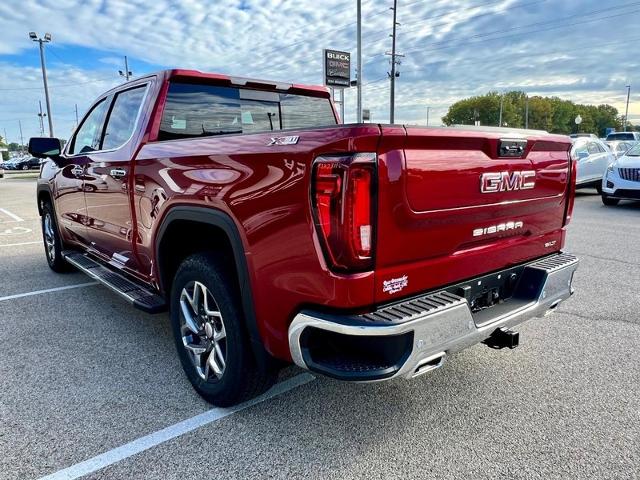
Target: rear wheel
[608,201]
[52,242]
[208,328]
[25,167]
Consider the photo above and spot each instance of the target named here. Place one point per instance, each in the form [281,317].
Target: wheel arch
[224,223]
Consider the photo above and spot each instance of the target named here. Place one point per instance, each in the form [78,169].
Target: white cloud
[454,48]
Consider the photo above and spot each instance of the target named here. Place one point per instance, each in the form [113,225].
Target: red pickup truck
[273,234]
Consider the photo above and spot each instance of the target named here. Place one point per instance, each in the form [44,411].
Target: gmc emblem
[507,181]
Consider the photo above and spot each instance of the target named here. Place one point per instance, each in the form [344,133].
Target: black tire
[241,378]
[25,167]
[599,188]
[52,243]
[608,201]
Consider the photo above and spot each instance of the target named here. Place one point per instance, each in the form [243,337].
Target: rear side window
[87,138]
[621,136]
[193,110]
[123,117]
[593,148]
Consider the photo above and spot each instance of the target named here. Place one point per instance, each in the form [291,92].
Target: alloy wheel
[203,332]
[49,237]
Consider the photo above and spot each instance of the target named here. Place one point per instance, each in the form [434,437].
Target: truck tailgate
[454,204]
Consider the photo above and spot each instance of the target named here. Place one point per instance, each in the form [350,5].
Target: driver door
[71,209]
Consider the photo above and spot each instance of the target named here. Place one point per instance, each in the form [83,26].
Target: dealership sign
[337,68]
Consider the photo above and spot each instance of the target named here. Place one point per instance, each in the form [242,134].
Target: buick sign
[337,68]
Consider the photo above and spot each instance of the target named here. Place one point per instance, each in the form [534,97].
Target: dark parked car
[23,164]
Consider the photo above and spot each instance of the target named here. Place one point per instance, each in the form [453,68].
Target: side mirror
[45,147]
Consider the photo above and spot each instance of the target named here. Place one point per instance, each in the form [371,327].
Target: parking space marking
[20,244]
[48,290]
[12,215]
[176,430]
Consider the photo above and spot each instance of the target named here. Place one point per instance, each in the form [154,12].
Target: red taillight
[342,193]
[571,187]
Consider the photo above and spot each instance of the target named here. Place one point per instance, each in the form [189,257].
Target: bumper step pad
[138,295]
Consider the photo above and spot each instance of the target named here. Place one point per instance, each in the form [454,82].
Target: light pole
[428,108]
[501,105]
[127,73]
[626,113]
[41,41]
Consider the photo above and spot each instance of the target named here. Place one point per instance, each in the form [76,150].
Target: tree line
[545,113]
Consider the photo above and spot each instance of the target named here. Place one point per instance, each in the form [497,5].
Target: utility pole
[41,118]
[526,113]
[6,140]
[501,105]
[428,108]
[393,74]
[127,73]
[77,115]
[21,137]
[626,114]
[359,61]
[41,41]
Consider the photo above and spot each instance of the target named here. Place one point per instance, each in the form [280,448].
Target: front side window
[87,138]
[123,116]
[194,110]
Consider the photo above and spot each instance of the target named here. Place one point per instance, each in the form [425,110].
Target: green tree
[545,113]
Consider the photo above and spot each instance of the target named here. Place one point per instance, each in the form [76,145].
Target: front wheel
[52,241]
[599,188]
[608,201]
[207,324]
[25,167]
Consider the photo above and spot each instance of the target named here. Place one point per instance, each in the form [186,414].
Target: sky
[580,50]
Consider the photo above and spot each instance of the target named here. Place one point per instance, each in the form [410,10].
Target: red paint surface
[428,205]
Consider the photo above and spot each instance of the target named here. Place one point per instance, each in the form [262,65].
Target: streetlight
[127,73]
[428,109]
[626,114]
[41,41]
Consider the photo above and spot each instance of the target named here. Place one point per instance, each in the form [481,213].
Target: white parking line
[48,290]
[20,244]
[12,215]
[176,430]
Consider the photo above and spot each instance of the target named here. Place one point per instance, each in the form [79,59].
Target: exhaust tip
[428,364]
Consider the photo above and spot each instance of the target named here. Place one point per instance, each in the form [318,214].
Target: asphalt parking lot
[82,374]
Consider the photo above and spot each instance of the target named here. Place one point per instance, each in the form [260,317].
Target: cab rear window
[195,110]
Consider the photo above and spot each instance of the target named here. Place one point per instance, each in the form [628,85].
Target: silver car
[620,147]
[593,158]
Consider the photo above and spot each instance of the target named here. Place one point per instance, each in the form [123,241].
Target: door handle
[118,173]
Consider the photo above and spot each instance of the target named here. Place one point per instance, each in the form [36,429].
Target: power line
[557,20]
[421,21]
[566,25]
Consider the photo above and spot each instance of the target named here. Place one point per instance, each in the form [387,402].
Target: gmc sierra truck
[274,234]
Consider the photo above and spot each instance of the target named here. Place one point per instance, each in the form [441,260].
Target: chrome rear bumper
[439,323]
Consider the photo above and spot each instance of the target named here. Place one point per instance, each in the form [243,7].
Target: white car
[622,178]
[593,157]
